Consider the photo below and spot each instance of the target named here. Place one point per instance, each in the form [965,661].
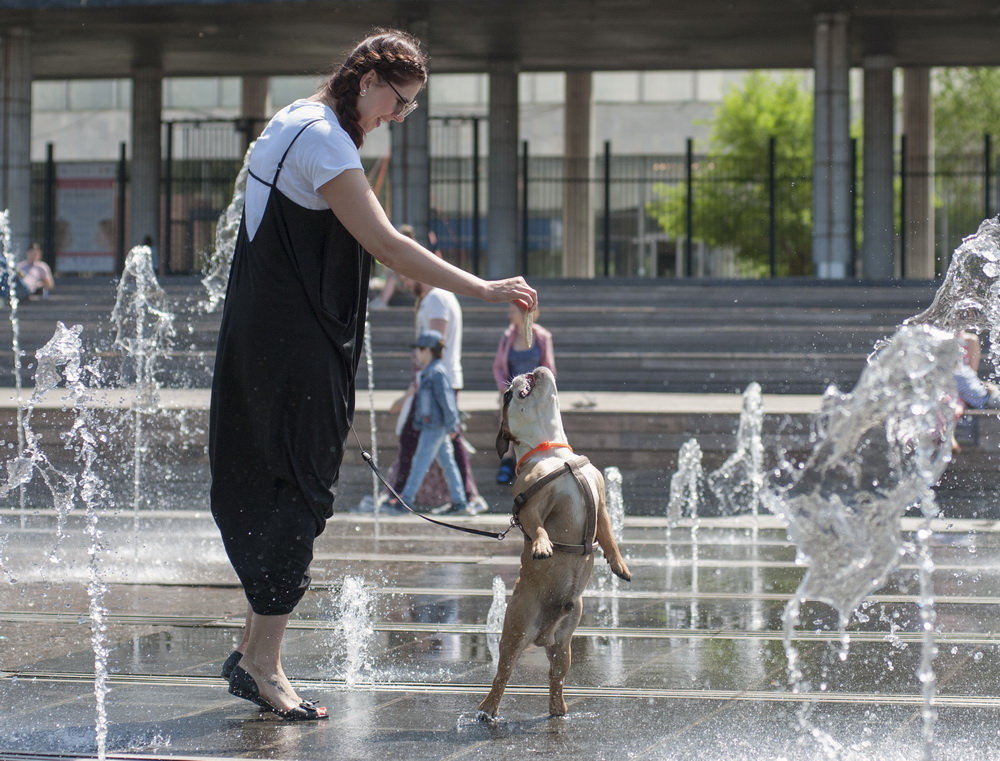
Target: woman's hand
[513,289]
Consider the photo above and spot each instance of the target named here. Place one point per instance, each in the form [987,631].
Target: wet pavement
[685,662]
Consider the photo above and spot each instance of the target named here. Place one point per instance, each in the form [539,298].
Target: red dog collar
[541,448]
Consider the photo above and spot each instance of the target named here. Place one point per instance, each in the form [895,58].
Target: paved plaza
[686,662]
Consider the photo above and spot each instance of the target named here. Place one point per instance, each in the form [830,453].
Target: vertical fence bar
[166,247]
[689,210]
[987,175]
[772,211]
[902,206]
[524,207]
[607,208]
[475,196]
[122,183]
[49,209]
[853,269]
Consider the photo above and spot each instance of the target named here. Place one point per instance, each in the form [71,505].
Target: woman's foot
[243,685]
[274,687]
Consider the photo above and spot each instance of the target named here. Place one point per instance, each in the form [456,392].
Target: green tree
[731,195]
[966,107]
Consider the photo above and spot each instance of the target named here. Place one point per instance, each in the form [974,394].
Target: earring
[364,92]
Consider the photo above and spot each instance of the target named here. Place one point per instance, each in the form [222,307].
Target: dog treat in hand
[526,327]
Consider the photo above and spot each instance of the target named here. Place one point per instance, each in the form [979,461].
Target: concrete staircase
[610,335]
[681,337]
[614,340]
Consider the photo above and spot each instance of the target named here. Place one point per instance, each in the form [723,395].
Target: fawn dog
[560,506]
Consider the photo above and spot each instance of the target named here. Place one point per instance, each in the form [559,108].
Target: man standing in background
[439,310]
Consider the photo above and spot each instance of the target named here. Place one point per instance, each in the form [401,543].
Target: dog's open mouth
[529,385]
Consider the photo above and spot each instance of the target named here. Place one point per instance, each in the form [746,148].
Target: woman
[515,356]
[291,338]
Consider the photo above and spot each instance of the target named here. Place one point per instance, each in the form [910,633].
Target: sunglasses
[405,107]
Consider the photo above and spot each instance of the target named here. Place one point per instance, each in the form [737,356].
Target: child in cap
[436,418]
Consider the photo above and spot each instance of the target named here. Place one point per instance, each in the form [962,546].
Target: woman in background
[515,357]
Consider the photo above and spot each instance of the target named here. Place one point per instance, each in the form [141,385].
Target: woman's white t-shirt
[321,152]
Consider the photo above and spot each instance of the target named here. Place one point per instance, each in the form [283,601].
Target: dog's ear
[502,442]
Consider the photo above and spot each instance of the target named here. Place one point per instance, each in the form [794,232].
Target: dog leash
[367,457]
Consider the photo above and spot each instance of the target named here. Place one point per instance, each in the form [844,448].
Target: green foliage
[966,107]
[731,193]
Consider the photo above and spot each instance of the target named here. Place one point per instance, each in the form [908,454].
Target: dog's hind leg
[519,630]
[606,538]
[560,655]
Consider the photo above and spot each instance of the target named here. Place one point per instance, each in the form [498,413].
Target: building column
[831,149]
[410,170]
[578,214]
[502,221]
[144,178]
[15,135]
[878,227]
[254,106]
[918,126]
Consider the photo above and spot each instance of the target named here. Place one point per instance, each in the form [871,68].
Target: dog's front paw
[541,549]
[619,569]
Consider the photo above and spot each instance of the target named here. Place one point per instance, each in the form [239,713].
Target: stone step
[642,443]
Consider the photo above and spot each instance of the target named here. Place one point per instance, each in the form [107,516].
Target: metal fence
[674,215]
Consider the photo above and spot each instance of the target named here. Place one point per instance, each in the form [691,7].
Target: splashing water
[616,512]
[59,362]
[13,300]
[353,631]
[686,490]
[878,449]
[616,502]
[144,332]
[498,608]
[969,296]
[220,259]
[32,459]
[494,619]
[687,483]
[737,483]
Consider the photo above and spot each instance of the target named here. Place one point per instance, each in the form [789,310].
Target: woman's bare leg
[262,660]
[242,647]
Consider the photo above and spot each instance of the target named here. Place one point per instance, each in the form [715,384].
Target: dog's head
[530,411]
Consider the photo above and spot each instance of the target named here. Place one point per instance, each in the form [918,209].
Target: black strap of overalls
[281,164]
[571,467]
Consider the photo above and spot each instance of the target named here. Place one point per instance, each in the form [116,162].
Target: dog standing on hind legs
[560,506]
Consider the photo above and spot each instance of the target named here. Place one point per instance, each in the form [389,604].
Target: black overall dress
[283,391]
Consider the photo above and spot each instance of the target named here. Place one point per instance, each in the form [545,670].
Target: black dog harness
[569,467]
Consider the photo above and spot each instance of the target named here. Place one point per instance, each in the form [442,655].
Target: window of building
[91,94]
[48,96]
[457,89]
[667,86]
[285,90]
[201,92]
[616,86]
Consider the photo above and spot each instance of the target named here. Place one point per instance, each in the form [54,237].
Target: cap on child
[428,339]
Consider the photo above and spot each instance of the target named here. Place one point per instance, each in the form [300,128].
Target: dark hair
[394,55]
[437,351]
